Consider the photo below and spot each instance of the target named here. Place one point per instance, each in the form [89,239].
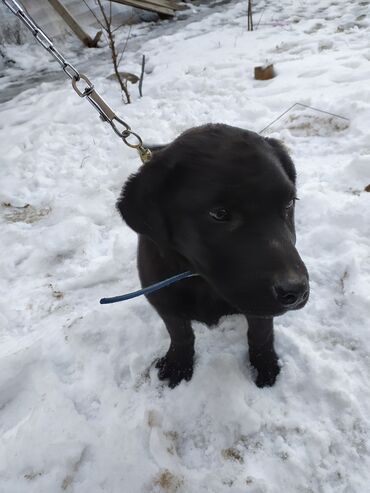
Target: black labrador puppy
[218,201]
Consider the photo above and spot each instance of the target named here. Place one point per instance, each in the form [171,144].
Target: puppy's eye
[220,214]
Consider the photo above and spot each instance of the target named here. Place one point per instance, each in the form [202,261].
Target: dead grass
[168,482]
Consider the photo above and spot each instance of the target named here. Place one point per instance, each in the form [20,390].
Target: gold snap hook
[145,154]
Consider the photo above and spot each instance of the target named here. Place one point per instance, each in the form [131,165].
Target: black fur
[247,261]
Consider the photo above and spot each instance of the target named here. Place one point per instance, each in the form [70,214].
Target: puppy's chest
[205,306]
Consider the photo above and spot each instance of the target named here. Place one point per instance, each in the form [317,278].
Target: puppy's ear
[140,202]
[284,157]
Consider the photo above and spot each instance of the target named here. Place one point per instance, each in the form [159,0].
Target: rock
[125,75]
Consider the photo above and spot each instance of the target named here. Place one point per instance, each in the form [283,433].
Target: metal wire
[303,106]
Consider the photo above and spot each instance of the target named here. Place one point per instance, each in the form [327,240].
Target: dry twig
[105,22]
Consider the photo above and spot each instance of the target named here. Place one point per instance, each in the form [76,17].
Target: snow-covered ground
[81,408]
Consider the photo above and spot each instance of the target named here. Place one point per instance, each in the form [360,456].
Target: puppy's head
[224,199]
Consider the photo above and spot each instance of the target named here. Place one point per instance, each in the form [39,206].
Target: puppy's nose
[291,293]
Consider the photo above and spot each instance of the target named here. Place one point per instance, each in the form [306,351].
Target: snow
[81,408]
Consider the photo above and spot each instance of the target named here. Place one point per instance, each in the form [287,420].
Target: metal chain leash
[105,111]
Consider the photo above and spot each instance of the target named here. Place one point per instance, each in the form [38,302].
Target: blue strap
[148,289]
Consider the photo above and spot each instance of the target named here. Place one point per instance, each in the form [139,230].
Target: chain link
[105,111]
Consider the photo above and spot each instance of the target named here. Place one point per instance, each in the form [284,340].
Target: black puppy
[218,201]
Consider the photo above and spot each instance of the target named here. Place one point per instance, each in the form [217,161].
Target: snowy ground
[81,408]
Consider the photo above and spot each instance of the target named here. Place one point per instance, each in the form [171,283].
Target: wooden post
[142,76]
[73,24]
[265,72]
[250,16]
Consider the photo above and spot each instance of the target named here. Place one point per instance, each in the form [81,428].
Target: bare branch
[93,13]
[125,46]
[118,27]
[105,22]
[103,14]
[114,54]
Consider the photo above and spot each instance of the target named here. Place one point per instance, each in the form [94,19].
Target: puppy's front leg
[262,354]
[177,365]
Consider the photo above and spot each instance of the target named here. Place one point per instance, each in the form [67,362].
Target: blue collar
[148,289]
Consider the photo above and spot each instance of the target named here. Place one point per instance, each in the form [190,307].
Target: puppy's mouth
[268,310]
[263,313]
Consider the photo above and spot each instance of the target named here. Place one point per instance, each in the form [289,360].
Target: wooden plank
[73,24]
[159,6]
[147,5]
[171,4]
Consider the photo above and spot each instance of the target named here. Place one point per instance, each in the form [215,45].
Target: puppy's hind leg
[177,364]
[262,354]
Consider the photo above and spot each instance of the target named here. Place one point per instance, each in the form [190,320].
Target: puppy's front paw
[268,369]
[174,371]
[267,376]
